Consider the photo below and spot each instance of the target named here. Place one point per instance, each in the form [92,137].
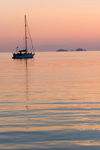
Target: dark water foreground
[51,102]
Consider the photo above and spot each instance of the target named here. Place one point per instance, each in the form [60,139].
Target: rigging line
[30,37]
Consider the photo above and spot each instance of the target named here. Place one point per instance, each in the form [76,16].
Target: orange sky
[53,24]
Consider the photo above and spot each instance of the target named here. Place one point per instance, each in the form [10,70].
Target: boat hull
[22,56]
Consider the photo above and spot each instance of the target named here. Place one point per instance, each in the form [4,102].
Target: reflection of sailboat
[27,107]
[23,53]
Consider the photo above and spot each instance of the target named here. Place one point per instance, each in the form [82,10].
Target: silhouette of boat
[24,53]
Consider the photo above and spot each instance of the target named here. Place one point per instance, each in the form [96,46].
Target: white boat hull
[23,56]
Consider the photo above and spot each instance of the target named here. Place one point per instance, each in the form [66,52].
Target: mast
[25,35]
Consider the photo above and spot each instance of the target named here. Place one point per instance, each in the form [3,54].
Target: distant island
[80,49]
[63,50]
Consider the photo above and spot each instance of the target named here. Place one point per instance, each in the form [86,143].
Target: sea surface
[51,102]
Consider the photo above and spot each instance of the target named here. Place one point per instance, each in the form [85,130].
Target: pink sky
[54,24]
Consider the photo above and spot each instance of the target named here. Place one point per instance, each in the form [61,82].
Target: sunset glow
[53,24]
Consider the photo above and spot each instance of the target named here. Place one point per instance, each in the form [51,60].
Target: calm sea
[51,102]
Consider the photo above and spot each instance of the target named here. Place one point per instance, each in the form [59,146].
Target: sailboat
[24,53]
